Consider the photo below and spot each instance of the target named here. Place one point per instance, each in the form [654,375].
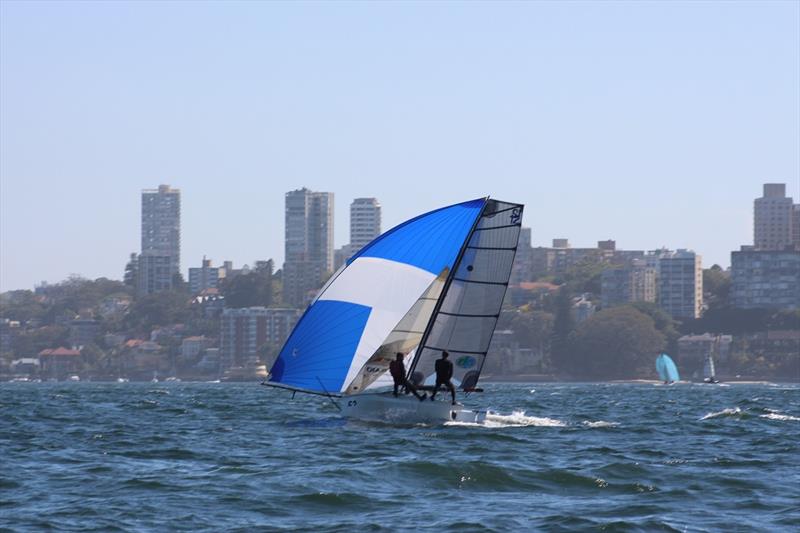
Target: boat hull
[407,409]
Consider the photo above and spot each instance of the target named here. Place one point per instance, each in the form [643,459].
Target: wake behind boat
[432,284]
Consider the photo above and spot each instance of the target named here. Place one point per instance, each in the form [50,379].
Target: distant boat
[74,378]
[667,371]
[709,372]
[122,380]
[433,283]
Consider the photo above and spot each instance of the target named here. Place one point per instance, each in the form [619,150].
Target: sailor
[398,371]
[444,372]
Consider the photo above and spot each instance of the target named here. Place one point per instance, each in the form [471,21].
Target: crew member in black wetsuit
[398,371]
[444,372]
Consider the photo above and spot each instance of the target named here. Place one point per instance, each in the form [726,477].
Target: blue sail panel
[430,241]
[319,351]
[667,371]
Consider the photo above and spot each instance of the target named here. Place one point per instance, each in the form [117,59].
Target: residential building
[522,270]
[635,282]
[60,363]
[83,331]
[561,257]
[154,273]
[309,244]
[365,222]
[160,256]
[205,277]
[245,333]
[506,358]
[773,219]
[192,347]
[765,279]
[680,283]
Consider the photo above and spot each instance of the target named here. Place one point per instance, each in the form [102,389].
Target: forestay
[375,304]
[468,312]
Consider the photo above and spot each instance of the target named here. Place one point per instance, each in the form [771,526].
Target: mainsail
[667,371]
[376,303]
[468,311]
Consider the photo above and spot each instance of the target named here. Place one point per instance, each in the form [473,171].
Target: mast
[446,287]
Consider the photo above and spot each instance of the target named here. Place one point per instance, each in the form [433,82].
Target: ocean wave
[734,411]
[520,419]
[779,416]
[599,424]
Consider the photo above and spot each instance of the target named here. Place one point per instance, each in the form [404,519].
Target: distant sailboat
[709,372]
[667,371]
[433,283]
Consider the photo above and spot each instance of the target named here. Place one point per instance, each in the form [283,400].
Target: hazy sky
[651,123]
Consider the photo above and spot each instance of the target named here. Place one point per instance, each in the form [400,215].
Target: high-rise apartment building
[765,279]
[773,224]
[680,283]
[160,257]
[635,282]
[365,222]
[243,332]
[308,245]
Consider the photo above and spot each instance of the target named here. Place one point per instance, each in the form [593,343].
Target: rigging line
[512,249]
[328,394]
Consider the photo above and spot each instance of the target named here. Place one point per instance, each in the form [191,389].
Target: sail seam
[513,249]
[499,227]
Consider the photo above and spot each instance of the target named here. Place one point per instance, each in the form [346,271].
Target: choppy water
[216,457]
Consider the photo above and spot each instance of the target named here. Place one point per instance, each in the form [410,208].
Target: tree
[158,309]
[21,305]
[248,290]
[616,343]
[663,322]
[131,272]
[716,287]
[563,326]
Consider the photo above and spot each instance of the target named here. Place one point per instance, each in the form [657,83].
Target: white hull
[406,409]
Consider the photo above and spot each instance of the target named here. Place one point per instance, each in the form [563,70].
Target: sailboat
[667,371]
[433,283]
[709,372]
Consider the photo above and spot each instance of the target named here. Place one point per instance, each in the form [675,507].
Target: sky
[651,123]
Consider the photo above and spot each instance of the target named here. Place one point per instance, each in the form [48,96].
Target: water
[214,457]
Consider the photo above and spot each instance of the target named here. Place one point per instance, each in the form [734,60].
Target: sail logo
[466,361]
[515,215]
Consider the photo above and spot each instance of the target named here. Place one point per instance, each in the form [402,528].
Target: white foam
[725,412]
[778,416]
[515,419]
[600,424]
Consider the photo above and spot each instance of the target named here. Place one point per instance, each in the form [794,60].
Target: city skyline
[542,242]
[654,125]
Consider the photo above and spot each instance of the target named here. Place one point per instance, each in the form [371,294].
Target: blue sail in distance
[667,371]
